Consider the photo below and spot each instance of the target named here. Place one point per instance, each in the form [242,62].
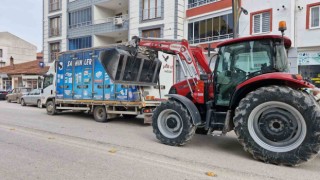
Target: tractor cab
[244,58]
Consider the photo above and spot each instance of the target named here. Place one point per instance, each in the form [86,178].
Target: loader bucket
[123,68]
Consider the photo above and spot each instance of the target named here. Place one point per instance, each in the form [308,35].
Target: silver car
[32,98]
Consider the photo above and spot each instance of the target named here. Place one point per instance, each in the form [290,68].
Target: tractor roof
[287,41]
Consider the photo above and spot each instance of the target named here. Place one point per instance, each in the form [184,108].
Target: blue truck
[78,81]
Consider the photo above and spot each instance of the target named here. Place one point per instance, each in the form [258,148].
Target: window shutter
[256,23]
[266,22]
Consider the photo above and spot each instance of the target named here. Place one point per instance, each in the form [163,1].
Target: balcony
[109,4]
[100,26]
[197,3]
[213,38]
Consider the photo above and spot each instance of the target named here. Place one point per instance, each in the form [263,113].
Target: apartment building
[303,28]
[78,24]
[208,22]
[157,18]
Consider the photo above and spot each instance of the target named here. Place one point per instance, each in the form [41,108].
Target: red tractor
[250,91]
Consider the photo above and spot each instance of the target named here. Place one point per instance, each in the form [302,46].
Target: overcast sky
[22,18]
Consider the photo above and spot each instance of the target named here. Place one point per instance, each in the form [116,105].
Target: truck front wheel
[172,123]
[51,108]
[279,125]
[100,114]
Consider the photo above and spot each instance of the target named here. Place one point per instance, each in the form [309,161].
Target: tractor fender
[193,110]
[279,79]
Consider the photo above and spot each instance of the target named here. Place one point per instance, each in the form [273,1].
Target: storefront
[5,82]
[309,66]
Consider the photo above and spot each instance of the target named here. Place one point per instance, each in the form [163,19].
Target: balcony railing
[55,32]
[212,38]
[152,13]
[200,3]
[123,18]
[54,6]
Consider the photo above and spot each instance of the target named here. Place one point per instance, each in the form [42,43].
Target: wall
[283,14]
[21,50]
[306,37]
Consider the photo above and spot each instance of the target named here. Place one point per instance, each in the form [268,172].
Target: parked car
[16,94]
[32,98]
[3,94]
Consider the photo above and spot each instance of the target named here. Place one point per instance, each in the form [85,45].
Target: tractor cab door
[226,80]
[239,62]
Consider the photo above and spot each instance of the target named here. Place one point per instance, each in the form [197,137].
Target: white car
[32,98]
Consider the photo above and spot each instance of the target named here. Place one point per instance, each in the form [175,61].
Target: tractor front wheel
[279,125]
[172,123]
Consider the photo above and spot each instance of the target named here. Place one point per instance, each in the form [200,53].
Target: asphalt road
[34,145]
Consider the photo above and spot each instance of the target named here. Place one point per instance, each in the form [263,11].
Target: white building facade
[303,28]
[157,18]
[13,46]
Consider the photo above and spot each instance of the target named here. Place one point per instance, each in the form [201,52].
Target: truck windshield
[48,80]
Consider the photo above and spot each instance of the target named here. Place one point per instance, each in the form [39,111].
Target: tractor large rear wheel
[172,123]
[279,125]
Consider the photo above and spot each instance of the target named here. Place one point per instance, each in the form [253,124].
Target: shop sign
[309,58]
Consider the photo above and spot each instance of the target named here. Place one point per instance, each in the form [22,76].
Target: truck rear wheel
[279,125]
[172,124]
[100,114]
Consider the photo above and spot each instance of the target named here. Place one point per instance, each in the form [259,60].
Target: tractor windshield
[241,61]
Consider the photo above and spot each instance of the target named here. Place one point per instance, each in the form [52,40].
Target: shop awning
[3,76]
[30,77]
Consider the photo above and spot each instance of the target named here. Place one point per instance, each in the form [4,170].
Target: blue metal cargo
[81,76]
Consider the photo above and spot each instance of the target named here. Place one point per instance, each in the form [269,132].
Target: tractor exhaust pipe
[236,12]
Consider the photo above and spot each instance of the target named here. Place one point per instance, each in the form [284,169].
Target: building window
[54,5]
[55,26]
[155,33]
[54,51]
[1,55]
[196,3]
[261,22]
[32,83]
[80,18]
[212,29]
[151,9]
[315,17]
[80,43]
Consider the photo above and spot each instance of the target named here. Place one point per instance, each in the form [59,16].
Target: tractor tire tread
[307,107]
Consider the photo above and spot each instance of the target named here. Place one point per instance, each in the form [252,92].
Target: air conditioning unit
[118,21]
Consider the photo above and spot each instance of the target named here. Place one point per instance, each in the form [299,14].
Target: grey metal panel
[78,4]
[96,29]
